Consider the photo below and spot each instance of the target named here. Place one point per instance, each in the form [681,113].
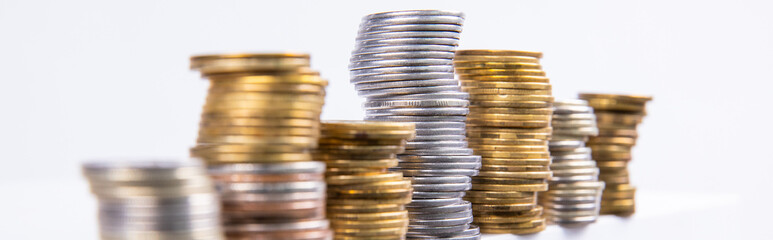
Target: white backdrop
[99,79]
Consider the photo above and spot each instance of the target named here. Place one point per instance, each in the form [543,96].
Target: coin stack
[575,192]
[617,117]
[154,200]
[509,126]
[258,127]
[365,201]
[403,65]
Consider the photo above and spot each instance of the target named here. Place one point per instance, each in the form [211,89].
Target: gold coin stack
[509,126]
[365,201]
[617,117]
[259,125]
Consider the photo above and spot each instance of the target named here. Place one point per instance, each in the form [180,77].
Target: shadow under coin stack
[509,126]
[617,117]
[575,191]
[258,127]
[154,200]
[403,65]
[365,201]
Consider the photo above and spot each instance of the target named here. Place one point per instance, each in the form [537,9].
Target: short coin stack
[365,201]
[575,192]
[154,200]
[403,65]
[509,126]
[617,117]
[258,127]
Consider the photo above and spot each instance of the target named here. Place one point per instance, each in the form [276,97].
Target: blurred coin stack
[258,127]
[509,126]
[575,191]
[617,117]
[365,201]
[154,200]
[403,65]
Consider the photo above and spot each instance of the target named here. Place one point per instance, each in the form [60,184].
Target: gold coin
[495,194]
[360,224]
[486,52]
[258,131]
[516,148]
[270,78]
[261,140]
[536,211]
[612,165]
[510,130]
[509,116]
[331,171]
[514,104]
[336,156]
[370,193]
[516,168]
[499,141]
[469,84]
[253,158]
[244,148]
[267,105]
[618,132]
[262,113]
[506,78]
[357,149]
[495,65]
[246,122]
[515,187]
[371,232]
[630,98]
[508,123]
[507,219]
[364,178]
[514,98]
[369,216]
[516,162]
[606,148]
[257,96]
[501,154]
[392,237]
[510,136]
[503,59]
[618,118]
[381,163]
[364,208]
[212,64]
[381,185]
[626,141]
[326,140]
[519,231]
[226,87]
[611,156]
[507,174]
[503,207]
[471,73]
[490,91]
[529,200]
[614,105]
[374,201]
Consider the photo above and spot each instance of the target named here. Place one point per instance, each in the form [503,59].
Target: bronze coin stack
[259,125]
[365,201]
[509,126]
[617,117]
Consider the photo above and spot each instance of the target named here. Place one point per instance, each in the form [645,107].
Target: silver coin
[570,102]
[428,96]
[400,69]
[271,227]
[438,172]
[459,207]
[409,34]
[411,27]
[440,216]
[440,159]
[571,109]
[460,119]
[267,168]
[169,226]
[573,157]
[565,145]
[444,165]
[213,233]
[440,111]
[406,41]
[438,152]
[559,137]
[440,180]
[425,132]
[385,93]
[140,171]
[435,144]
[574,221]
[591,171]
[572,164]
[399,63]
[433,103]
[402,77]
[575,207]
[574,199]
[402,55]
[576,131]
[265,187]
[442,187]
[574,178]
[442,222]
[414,13]
[434,230]
[405,84]
[397,20]
[422,203]
[452,137]
[575,116]
[420,195]
[403,48]
[573,151]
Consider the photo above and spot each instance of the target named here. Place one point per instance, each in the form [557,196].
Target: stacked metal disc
[154,200]
[509,126]
[258,127]
[365,201]
[403,65]
[575,191]
[617,117]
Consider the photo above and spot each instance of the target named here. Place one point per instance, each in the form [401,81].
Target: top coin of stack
[617,117]
[575,192]
[509,126]
[154,200]
[258,127]
[364,200]
[403,65]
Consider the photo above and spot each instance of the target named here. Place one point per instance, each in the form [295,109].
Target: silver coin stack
[574,195]
[403,65]
[154,200]
[273,200]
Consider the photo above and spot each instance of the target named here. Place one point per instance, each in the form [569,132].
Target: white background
[100,79]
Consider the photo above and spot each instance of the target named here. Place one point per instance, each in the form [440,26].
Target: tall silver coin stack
[574,196]
[154,200]
[403,65]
